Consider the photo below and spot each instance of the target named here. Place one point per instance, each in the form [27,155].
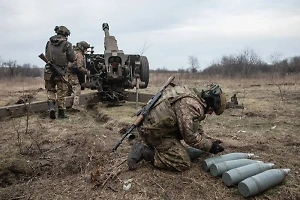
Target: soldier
[75,71]
[176,116]
[60,52]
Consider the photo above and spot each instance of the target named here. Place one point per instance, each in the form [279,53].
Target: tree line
[11,69]
[246,64]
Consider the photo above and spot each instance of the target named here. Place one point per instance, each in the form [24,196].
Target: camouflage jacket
[177,115]
[78,64]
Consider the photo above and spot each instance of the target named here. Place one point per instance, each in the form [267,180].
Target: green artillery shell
[234,176]
[217,169]
[261,182]
[231,156]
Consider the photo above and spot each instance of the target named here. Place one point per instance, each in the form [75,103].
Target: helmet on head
[62,30]
[83,45]
[215,98]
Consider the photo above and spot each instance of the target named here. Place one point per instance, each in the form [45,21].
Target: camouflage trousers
[170,154]
[73,79]
[56,92]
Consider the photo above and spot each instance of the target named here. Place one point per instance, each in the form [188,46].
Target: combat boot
[138,153]
[62,114]
[194,153]
[51,110]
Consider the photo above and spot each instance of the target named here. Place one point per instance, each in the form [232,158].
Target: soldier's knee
[180,167]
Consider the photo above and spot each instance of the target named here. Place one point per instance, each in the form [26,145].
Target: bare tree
[275,57]
[193,64]
[248,60]
[11,66]
[10,69]
[276,62]
[294,64]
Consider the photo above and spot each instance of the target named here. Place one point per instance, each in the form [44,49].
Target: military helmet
[83,45]
[62,30]
[215,98]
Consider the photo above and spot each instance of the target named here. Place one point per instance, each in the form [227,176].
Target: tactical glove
[216,147]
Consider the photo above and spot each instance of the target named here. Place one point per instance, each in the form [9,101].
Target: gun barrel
[133,126]
[105,28]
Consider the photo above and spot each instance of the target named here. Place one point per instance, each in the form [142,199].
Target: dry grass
[269,127]
[20,84]
[19,88]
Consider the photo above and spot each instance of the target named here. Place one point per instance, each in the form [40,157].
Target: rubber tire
[144,70]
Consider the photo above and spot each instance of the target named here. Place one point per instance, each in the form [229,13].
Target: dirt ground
[71,159]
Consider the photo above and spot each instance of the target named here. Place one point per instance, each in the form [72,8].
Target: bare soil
[71,159]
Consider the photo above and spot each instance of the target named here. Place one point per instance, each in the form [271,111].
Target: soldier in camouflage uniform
[75,70]
[176,116]
[60,52]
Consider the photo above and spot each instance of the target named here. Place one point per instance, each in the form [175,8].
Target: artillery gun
[113,71]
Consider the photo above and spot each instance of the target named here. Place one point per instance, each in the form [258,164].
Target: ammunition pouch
[166,127]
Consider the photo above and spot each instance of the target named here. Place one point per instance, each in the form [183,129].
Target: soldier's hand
[216,147]
[87,72]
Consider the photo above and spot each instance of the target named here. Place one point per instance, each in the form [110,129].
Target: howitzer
[55,69]
[114,71]
[141,114]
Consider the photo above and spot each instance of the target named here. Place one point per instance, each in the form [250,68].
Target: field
[72,159]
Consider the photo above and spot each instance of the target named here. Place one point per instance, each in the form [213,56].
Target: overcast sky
[172,30]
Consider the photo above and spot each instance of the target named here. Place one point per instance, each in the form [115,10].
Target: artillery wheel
[144,71]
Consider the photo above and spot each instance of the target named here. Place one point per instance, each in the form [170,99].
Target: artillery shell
[231,156]
[261,182]
[217,169]
[234,176]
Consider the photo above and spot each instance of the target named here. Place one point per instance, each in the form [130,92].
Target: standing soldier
[59,52]
[177,116]
[75,70]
